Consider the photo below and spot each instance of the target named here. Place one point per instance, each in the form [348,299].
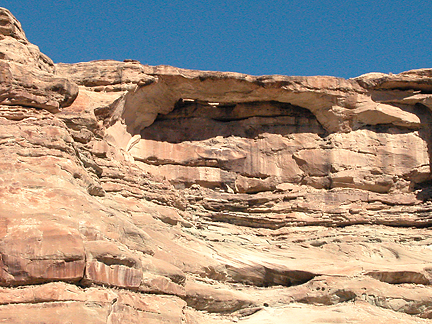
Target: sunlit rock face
[131,193]
[27,77]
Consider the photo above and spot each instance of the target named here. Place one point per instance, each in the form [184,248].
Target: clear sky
[300,37]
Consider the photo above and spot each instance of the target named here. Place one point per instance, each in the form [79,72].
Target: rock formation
[131,193]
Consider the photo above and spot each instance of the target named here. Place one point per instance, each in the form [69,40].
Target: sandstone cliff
[131,193]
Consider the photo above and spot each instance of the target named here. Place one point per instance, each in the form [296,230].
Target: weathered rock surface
[131,193]
[28,77]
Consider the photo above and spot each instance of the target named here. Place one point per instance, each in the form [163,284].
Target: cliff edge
[133,193]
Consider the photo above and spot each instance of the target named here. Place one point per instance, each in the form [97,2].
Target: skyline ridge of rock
[134,193]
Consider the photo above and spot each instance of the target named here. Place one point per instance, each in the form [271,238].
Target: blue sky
[339,38]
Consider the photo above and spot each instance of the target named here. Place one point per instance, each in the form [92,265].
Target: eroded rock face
[27,77]
[40,252]
[132,193]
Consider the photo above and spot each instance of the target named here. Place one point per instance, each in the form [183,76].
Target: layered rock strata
[132,193]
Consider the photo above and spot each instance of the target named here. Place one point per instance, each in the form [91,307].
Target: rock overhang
[298,187]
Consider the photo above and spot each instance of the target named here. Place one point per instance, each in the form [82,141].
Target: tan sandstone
[132,193]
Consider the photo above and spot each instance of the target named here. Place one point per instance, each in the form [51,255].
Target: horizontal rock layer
[131,193]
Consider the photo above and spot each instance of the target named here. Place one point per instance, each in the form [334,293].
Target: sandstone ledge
[132,193]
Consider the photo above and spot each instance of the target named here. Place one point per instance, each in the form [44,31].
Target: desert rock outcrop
[131,193]
[27,77]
